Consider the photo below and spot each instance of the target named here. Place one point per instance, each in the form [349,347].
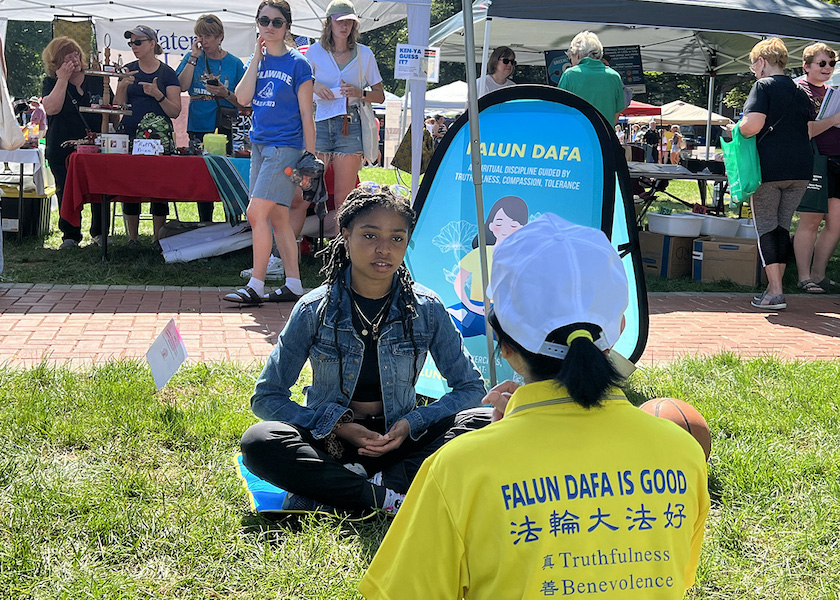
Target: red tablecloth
[134,179]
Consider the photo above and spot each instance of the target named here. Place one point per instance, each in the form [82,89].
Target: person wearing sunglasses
[278,86]
[500,68]
[361,434]
[565,494]
[152,87]
[346,76]
[813,248]
[776,112]
[210,74]
[590,79]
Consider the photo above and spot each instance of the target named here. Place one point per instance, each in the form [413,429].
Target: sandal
[826,284]
[769,302]
[246,296]
[810,287]
[285,295]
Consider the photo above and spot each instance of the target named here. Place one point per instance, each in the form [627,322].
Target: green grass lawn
[109,490]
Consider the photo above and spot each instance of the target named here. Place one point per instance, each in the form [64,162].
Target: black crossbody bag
[225,115]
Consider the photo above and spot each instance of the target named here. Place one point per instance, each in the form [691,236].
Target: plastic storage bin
[680,225]
[746,229]
[720,226]
[28,218]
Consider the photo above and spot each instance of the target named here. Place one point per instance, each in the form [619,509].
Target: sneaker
[274,271]
[357,468]
[97,239]
[393,501]
[298,503]
[133,243]
[68,244]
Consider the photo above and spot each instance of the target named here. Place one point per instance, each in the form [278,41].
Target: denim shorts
[329,139]
[268,178]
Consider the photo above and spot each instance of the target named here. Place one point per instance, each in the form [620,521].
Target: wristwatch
[192,60]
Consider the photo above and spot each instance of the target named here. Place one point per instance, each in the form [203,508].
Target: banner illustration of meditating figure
[507,215]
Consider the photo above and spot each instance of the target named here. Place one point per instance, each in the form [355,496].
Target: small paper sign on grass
[166,354]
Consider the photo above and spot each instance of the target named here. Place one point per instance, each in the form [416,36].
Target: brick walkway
[86,324]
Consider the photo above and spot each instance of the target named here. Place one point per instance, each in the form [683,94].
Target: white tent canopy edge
[307,15]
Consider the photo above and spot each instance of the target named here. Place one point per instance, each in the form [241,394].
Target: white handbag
[11,136]
[370,131]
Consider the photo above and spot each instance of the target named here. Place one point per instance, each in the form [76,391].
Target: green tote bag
[740,157]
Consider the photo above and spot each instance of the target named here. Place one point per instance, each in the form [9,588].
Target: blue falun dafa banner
[543,150]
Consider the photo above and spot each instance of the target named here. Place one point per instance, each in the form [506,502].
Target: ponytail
[586,372]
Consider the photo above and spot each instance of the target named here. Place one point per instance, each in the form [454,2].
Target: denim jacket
[325,402]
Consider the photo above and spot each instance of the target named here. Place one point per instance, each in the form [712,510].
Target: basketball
[684,415]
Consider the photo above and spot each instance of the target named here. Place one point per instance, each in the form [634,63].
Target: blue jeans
[330,140]
[268,179]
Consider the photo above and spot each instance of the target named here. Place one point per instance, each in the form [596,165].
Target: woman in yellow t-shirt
[667,139]
[572,491]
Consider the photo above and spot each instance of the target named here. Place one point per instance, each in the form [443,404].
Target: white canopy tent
[452,96]
[174,21]
[682,113]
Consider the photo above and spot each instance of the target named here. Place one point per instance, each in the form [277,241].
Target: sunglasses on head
[823,63]
[508,61]
[276,22]
[371,187]
[137,42]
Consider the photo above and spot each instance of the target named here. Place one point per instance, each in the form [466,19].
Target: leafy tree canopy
[25,40]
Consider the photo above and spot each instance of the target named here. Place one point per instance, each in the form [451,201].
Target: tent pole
[710,105]
[709,117]
[475,155]
[418,35]
[404,111]
[488,25]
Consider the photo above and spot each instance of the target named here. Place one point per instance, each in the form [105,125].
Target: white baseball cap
[553,273]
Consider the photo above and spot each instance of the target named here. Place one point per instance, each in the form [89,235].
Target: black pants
[68,231]
[290,458]
[158,209]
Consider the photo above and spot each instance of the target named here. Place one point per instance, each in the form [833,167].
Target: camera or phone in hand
[209,79]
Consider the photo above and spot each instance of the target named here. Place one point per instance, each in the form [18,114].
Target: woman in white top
[500,69]
[343,69]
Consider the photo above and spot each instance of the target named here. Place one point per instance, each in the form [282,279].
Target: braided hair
[336,257]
